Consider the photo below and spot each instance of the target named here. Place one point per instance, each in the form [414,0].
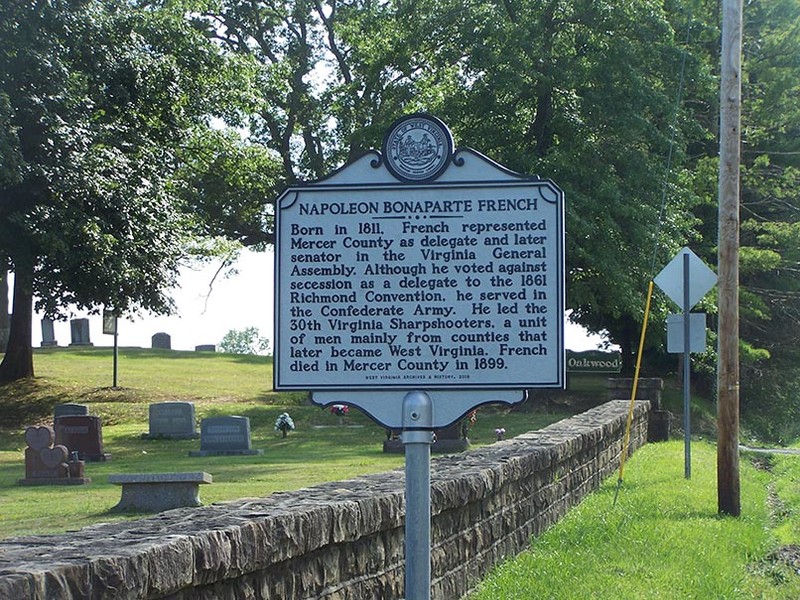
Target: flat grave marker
[156,492]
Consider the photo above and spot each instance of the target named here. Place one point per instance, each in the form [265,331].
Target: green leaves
[244,341]
[229,186]
[96,101]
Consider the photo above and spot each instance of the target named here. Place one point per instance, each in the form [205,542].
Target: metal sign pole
[417,440]
[687,426]
[116,350]
[686,279]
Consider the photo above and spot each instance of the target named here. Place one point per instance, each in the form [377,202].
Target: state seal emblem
[418,148]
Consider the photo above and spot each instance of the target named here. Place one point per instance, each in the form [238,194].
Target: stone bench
[154,492]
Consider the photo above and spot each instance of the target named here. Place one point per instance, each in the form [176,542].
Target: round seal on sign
[418,148]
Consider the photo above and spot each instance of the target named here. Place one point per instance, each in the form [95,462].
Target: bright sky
[241,301]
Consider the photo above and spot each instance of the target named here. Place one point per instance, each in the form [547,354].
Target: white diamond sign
[671,278]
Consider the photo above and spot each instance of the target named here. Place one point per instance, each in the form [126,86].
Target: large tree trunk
[4,320]
[18,360]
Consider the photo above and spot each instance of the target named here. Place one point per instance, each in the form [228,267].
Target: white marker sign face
[406,286]
[701,278]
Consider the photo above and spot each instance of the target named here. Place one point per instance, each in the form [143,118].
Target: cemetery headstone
[205,348]
[172,420]
[70,410]
[79,329]
[48,333]
[161,341]
[447,440]
[450,439]
[228,435]
[84,435]
[48,464]
[154,492]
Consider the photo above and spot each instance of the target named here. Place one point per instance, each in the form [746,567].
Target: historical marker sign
[420,268]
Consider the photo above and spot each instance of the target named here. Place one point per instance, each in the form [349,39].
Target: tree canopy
[244,341]
[109,165]
[770,232]
[97,99]
[583,93]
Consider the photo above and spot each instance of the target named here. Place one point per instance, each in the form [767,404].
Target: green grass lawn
[320,449]
[664,538]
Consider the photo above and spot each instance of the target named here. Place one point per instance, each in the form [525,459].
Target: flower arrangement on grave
[499,433]
[284,424]
[340,411]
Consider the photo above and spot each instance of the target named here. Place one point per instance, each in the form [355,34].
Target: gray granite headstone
[173,420]
[48,333]
[161,341]
[82,434]
[225,435]
[70,410]
[205,348]
[79,328]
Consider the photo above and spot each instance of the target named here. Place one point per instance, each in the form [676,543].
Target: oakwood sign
[593,361]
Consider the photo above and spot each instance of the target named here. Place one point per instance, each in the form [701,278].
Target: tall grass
[663,539]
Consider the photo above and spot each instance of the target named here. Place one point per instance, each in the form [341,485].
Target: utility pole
[728,493]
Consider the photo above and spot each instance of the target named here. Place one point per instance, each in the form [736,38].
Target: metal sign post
[417,440]
[685,280]
[110,322]
[687,374]
[420,267]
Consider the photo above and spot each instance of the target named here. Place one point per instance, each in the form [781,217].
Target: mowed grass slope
[664,538]
[322,448]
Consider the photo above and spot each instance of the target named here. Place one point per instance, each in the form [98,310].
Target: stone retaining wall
[342,540]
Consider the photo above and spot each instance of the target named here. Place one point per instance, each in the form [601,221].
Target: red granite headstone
[82,434]
[46,464]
